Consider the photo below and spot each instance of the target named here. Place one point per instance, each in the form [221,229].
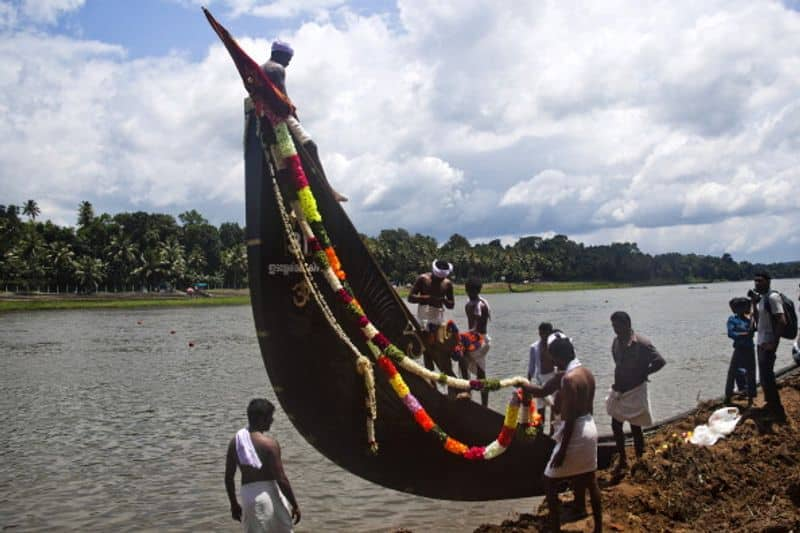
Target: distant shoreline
[111,300]
[540,286]
[10,301]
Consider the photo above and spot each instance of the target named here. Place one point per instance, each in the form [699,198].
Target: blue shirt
[736,327]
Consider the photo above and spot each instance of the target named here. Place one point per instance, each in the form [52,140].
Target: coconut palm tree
[28,257]
[31,209]
[90,272]
[173,261]
[150,269]
[61,261]
[85,213]
[196,264]
[234,264]
[122,257]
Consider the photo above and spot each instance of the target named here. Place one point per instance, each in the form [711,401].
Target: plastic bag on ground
[704,436]
[721,422]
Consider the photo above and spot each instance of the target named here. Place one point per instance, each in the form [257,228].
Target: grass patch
[118,303]
[242,297]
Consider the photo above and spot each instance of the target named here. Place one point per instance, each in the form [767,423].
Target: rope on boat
[363,364]
[306,213]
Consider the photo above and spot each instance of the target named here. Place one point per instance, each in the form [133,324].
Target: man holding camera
[771,322]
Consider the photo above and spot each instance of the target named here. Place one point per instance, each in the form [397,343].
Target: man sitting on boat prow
[281,55]
[265,487]
[433,292]
[574,457]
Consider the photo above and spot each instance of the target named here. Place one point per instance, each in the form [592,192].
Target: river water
[112,422]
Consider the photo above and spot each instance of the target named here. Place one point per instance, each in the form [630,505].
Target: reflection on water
[115,425]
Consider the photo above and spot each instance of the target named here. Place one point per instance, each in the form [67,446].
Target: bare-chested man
[433,292]
[478,315]
[265,487]
[574,457]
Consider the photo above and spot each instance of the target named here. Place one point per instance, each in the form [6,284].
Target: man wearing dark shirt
[635,358]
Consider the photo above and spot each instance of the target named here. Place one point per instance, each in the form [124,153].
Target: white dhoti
[581,454]
[477,358]
[429,315]
[541,403]
[632,406]
[264,508]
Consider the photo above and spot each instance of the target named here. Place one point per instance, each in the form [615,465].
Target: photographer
[771,322]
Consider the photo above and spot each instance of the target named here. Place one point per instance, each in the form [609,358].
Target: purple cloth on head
[282,46]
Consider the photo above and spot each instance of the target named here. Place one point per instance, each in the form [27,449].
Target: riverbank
[119,300]
[125,300]
[541,286]
[749,481]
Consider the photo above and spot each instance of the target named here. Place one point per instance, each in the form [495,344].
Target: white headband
[556,335]
[441,272]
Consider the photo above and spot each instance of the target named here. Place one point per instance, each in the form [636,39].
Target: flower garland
[320,245]
[530,418]
[497,447]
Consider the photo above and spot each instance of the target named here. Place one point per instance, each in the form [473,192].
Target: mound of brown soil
[749,481]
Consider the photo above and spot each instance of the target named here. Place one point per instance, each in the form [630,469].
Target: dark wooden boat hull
[313,372]
[315,379]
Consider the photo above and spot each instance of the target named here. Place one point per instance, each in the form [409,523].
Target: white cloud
[671,125]
[48,11]
[273,9]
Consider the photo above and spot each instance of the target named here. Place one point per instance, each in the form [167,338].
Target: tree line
[146,251]
[124,252]
[403,256]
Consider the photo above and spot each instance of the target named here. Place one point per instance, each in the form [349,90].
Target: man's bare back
[268,451]
[576,396]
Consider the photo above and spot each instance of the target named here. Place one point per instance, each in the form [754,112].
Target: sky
[672,124]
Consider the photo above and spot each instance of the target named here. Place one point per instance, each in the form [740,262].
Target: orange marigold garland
[384,351]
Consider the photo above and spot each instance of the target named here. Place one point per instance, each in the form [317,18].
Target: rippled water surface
[111,422]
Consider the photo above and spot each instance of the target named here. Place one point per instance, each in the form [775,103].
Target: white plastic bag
[721,422]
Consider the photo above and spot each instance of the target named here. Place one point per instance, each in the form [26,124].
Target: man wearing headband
[281,54]
[433,292]
[574,457]
[635,358]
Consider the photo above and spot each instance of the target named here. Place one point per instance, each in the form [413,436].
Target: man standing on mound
[265,487]
[574,457]
[771,321]
[635,358]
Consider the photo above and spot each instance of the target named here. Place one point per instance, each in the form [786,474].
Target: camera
[753,295]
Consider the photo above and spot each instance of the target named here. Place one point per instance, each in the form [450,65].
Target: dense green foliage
[135,251]
[402,256]
[124,252]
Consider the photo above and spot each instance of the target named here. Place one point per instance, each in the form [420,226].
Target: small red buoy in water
[172,332]
[191,345]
